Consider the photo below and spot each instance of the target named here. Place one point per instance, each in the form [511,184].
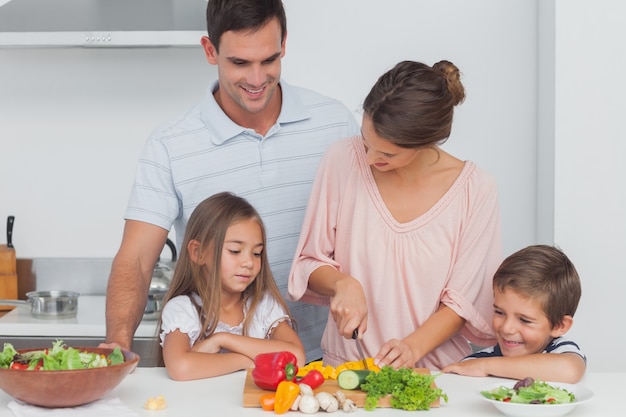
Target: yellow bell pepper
[286,394]
[330,372]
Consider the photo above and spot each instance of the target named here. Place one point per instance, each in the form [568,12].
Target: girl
[223,307]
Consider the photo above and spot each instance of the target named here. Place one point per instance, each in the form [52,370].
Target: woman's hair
[412,104]
[236,15]
[208,225]
[545,274]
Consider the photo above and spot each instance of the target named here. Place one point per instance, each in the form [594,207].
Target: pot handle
[13,302]
[172,247]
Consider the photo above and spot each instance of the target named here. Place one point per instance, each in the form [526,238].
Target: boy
[536,293]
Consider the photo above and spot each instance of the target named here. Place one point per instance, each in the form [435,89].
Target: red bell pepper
[272,368]
[313,379]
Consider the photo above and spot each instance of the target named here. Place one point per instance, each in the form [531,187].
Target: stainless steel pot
[154,303]
[160,283]
[49,304]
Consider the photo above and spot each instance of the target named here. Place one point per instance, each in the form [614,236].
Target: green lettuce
[60,357]
[539,392]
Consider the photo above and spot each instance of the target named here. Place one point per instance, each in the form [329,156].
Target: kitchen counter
[88,328]
[222,396]
[89,322]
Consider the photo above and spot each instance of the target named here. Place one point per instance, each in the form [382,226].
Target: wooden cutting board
[252,393]
[8,273]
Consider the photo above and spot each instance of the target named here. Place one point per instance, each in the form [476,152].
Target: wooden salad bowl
[68,388]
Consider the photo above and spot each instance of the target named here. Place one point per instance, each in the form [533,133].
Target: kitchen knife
[10,221]
[355,336]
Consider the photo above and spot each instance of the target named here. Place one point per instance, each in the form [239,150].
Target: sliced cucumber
[352,378]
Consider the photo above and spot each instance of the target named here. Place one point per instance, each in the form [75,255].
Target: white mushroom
[308,404]
[346,404]
[341,397]
[349,406]
[306,389]
[296,403]
[328,402]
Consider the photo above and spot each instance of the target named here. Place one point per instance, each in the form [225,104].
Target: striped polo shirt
[557,345]
[204,152]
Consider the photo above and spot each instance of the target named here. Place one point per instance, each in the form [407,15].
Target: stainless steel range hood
[101,23]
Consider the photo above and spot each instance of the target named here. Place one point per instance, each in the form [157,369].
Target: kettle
[160,283]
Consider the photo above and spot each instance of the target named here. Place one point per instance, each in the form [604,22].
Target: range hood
[102,23]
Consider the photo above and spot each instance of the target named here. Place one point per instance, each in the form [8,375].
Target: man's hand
[113,345]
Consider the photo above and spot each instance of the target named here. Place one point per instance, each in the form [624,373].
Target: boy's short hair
[543,273]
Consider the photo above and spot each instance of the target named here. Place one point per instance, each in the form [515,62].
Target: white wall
[590,167]
[72,121]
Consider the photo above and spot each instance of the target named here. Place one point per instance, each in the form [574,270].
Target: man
[253,135]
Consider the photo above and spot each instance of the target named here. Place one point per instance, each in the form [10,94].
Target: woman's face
[381,153]
[521,326]
[241,255]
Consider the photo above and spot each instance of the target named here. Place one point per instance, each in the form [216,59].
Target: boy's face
[521,326]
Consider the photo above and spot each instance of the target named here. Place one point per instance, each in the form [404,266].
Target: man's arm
[131,273]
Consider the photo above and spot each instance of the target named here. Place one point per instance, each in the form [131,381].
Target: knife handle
[355,333]
[10,221]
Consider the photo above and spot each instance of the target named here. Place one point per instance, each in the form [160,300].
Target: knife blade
[359,348]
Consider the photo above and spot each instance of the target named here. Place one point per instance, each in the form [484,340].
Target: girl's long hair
[208,225]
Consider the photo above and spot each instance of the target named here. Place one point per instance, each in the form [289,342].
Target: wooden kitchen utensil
[8,266]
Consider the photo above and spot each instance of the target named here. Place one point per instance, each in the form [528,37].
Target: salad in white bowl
[528,397]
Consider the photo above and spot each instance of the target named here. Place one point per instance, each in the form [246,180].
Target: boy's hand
[470,367]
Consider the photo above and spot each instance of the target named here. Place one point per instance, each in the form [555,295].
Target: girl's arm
[439,327]
[558,367]
[283,337]
[182,363]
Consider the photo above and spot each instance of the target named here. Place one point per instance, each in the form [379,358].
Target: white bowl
[582,394]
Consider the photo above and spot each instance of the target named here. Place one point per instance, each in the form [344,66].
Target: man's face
[249,65]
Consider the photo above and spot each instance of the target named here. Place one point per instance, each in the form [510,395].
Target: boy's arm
[557,367]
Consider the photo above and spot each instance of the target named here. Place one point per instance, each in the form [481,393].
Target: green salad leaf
[59,357]
[409,390]
[6,356]
[536,392]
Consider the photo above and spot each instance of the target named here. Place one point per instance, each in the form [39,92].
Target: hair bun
[453,78]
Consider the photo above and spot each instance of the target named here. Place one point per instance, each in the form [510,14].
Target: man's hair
[246,15]
[543,273]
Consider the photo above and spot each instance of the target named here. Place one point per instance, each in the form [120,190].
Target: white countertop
[89,322]
[223,396]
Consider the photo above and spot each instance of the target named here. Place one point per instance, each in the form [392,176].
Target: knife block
[8,273]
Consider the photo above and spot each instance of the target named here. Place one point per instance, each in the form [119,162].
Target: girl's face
[381,153]
[521,326]
[241,255]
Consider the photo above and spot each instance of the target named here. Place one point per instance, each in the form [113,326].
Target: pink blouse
[447,255]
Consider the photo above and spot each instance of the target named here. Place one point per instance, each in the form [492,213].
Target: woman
[401,238]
